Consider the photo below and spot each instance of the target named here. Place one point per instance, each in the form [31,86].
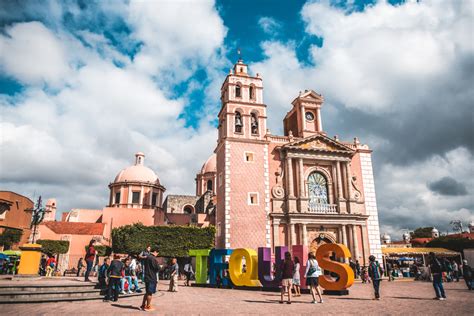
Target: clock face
[309,116]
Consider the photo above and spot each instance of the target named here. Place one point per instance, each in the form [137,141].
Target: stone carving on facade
[318,144]
[356,192]
[278,191]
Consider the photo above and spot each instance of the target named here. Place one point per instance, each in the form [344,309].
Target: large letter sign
[250,276]
[201,264]
[217,265]
[265,265]
[346,275]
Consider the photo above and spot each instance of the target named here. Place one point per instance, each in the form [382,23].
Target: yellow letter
[346,275]
[248,278]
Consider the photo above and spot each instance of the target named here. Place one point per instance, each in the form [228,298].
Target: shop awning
[389,251]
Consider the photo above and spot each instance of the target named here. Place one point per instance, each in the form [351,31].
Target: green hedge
[10,237]
[54,246]
[101,251]
[451,243]
[171,241]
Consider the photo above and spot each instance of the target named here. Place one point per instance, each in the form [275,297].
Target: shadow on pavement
[126,306]
[412,298]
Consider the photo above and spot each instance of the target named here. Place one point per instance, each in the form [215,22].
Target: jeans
[376,284]
[438,285]
[89,268]
[114,285]
[130,280]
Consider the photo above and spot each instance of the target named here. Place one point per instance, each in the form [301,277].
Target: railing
[319,208]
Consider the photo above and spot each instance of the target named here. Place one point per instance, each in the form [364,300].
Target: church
[300,188]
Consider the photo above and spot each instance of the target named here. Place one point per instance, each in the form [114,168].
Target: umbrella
[406,259]
[12,253]
[4,257]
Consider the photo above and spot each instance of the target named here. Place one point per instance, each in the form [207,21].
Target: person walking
[50,266]
[312,277]
[90,255]
[357,264]
[436,268]
[467,275]
[188,272]
[142,256]
[115,274]
[455,271]
[287,269]
[296,277]
[174,275]
[375,273]
[80,265]
[102,275]
[389,271]
[151,268]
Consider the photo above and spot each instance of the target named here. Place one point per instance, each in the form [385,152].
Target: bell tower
[243,114]
[304,119]
[242,210]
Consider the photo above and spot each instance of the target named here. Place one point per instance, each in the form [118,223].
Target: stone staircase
[52,291]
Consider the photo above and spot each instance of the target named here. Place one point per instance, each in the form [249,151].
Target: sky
[84,85]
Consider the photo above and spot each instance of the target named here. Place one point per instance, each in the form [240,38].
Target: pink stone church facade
[299,188]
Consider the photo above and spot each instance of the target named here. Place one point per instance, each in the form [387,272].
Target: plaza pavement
[407,298]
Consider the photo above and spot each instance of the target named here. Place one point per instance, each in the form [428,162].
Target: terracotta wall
[17,216]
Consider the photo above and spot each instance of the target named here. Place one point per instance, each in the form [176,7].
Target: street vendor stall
[412,262]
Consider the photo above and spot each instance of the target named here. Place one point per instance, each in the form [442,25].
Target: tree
[54,246]
[452,243]
[10,237]
[101,250]
[422,232]
[171,241]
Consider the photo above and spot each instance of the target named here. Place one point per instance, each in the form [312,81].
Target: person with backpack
[103,273]
[437,268]
[312,277]
[115,275]
[375,273]
[50,266]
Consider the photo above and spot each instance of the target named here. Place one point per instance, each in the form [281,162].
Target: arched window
[209,185]
[251,95]
[254,123]
[238,122]
[318,189]
[188,209]
[237,91]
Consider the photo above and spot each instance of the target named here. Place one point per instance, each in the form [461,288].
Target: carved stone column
[304,232]
[340,192]
[349,191]
[355,241]
[276,234]
[302,191]
[320,122]
[344,239]
[289,173]
[292,235]
[350,240]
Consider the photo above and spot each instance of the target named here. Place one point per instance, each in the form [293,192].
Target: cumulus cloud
[398,77]
[88,104]
[447,186]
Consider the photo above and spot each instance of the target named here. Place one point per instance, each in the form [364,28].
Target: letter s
[346,275]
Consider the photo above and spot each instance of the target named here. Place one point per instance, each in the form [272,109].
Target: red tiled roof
[421,241]
[463,235]
[73,228]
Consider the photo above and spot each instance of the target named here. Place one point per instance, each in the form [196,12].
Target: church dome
[386,238]
[434,230]
[137,172]
[210,165]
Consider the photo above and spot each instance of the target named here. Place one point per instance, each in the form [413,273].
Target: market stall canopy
[11,252]
[418,251]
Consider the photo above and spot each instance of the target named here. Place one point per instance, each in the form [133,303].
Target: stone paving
[407,298]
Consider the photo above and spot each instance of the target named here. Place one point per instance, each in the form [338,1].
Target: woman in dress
[312,275]
[296,277]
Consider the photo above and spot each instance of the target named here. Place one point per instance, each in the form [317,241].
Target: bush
[171,241]
[452,243]
[54,246]
[10,237]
